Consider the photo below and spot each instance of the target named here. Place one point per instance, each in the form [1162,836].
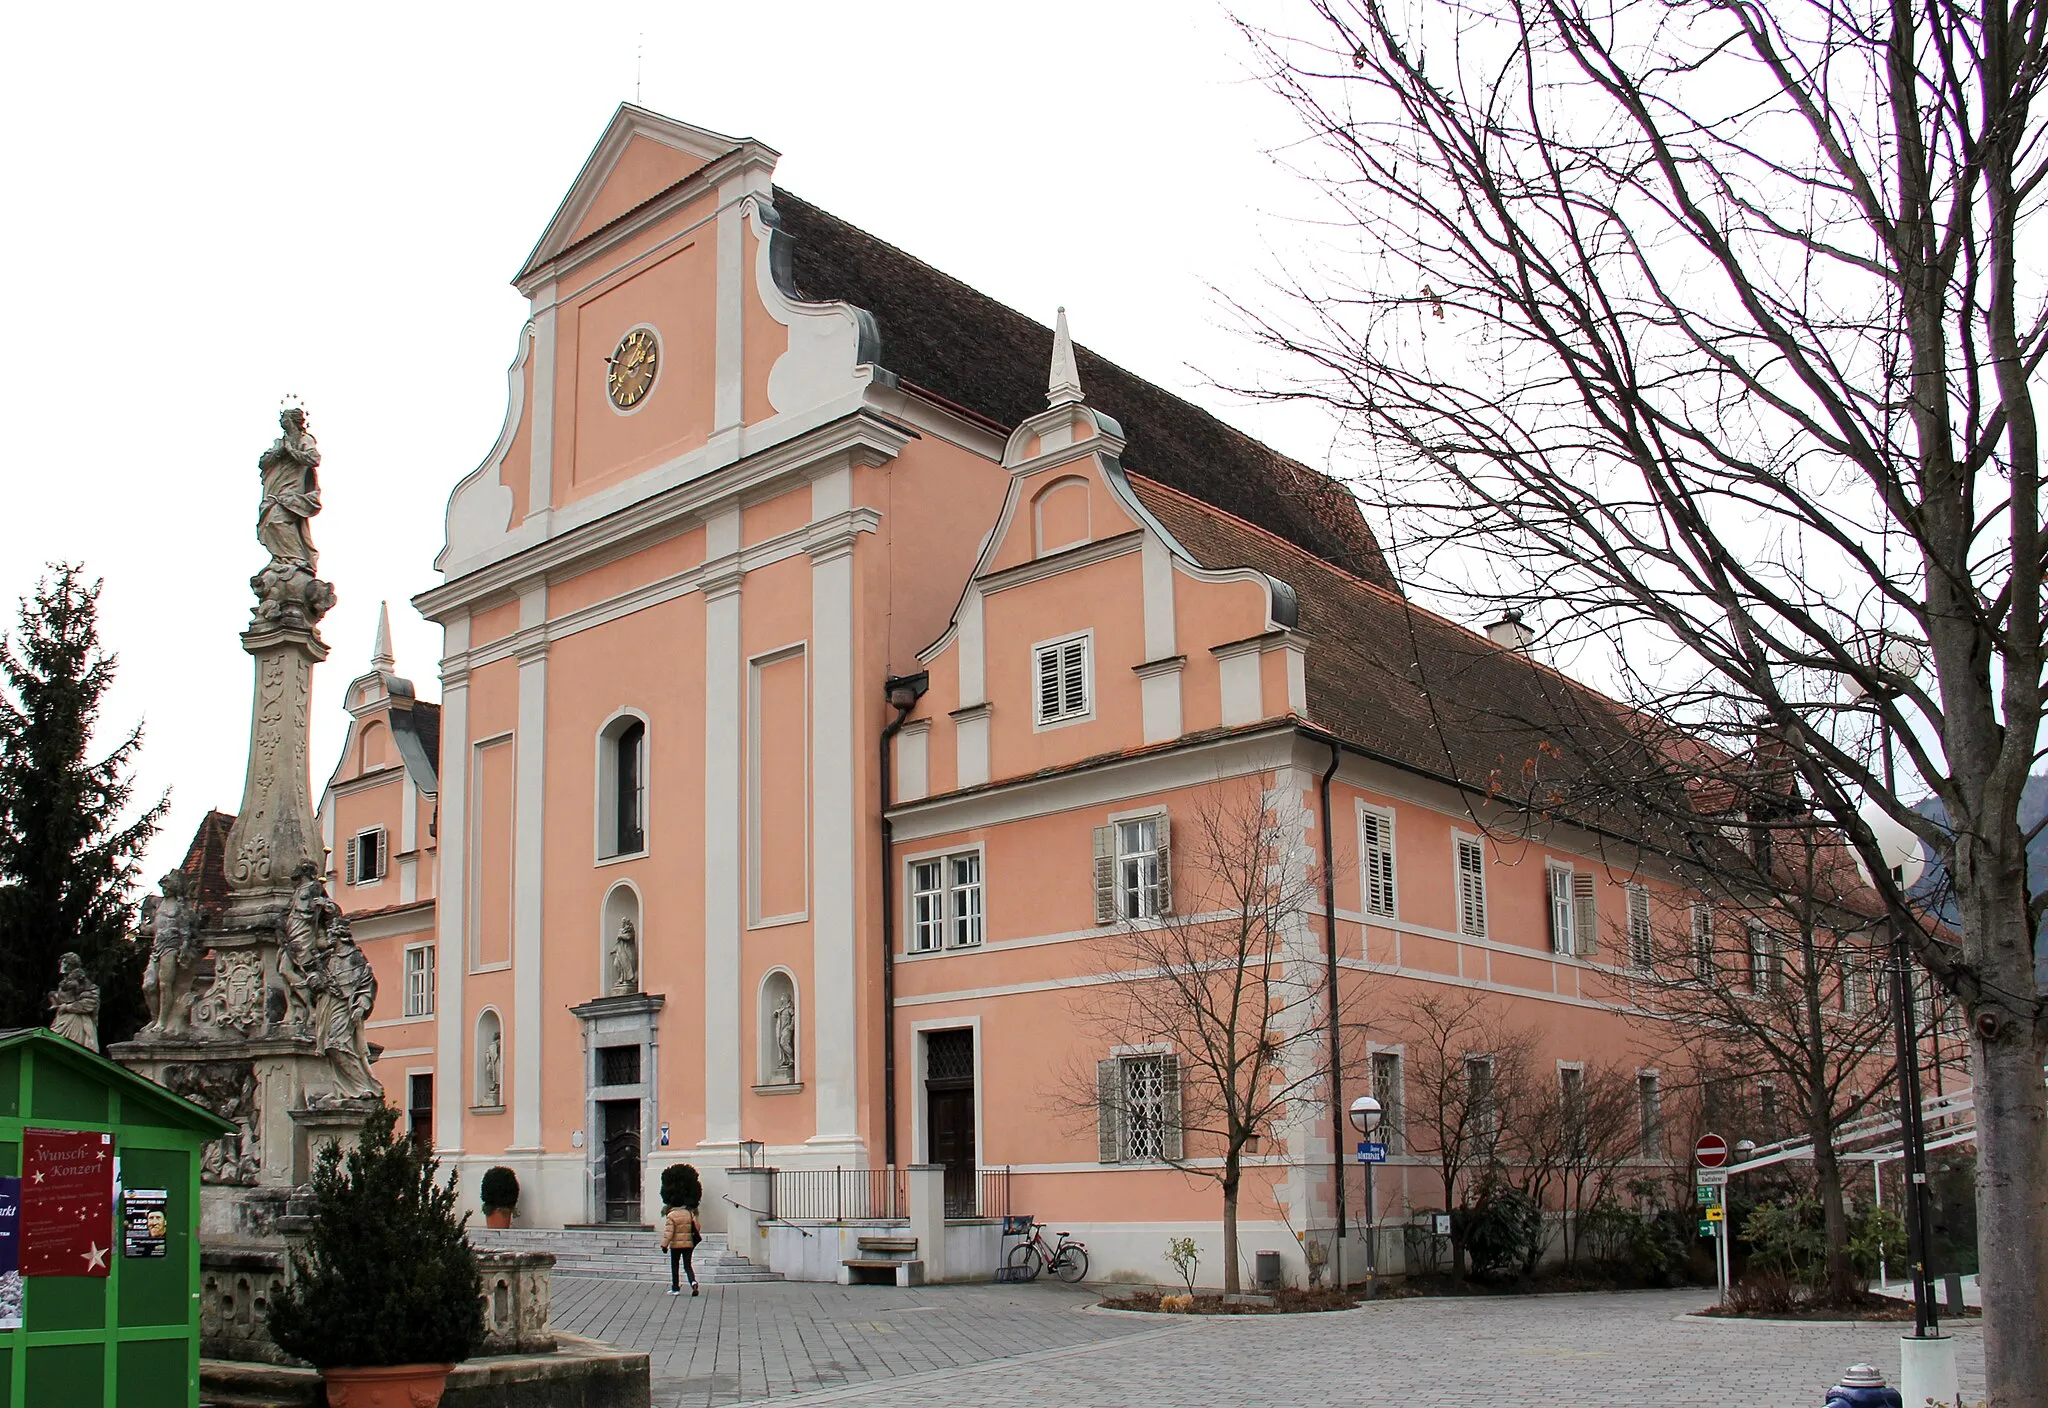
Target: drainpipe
[903,692]
[1337,1113]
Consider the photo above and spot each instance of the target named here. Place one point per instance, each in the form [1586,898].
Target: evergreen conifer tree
[69,853]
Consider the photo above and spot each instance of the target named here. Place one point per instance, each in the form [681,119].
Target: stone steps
[621,1256]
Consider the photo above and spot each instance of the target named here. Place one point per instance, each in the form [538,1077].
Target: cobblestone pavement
[982,1346]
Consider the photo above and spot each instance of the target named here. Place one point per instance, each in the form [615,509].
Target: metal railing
[836,1194]
[978,1192]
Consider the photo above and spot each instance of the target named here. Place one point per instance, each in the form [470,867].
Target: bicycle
[1067,1258]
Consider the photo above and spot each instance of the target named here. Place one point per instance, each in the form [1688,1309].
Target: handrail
[767,1216]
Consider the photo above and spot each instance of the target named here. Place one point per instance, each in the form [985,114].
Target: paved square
[985,1345]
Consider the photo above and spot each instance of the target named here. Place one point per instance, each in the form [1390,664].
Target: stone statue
[785,1039]
[228,1088]
[77,1004]
[174,953]
[625,960]
[288,593]
[494,1065]
[344,989]
[306,938]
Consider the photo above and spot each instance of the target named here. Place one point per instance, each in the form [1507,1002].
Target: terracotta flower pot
[498,1217]
[393,1386]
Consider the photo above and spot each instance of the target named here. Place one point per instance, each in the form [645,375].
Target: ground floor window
[1138,1100]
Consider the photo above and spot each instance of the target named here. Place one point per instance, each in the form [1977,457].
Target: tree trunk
[2012,1201]
[1843,1286]
[1231,1283]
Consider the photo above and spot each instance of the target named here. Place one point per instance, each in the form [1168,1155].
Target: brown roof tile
[205,860]
[962,347]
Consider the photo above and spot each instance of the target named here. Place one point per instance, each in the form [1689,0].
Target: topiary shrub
[386,1275]
[500,1189]
[680,1186]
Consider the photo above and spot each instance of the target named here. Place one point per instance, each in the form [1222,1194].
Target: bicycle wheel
[1027,1256]
[1071,1263]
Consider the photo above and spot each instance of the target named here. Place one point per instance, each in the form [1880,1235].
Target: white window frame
[1557,889]
[606,840]
[1766,959]
[1066,713]
[1482,1122]
[1569,1072]
[1130,878]
[1164,1147]
[419,996]
[1642,947]
[1379,889]
[1393,1130]
[1460,841]
[960,918]
[1705,962]
[354,859]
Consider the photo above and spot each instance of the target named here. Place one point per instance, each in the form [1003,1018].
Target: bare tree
[1773,972]
[1466,1069]
[1713,324]
[1579,1134]
[1216,995]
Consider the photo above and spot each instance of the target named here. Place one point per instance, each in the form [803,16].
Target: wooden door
[621,1160]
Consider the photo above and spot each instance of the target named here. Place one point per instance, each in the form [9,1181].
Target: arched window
[375,748]
[779,1030]
[490,1060]
[622,787]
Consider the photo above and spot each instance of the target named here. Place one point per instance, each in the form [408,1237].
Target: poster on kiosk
[67,1203]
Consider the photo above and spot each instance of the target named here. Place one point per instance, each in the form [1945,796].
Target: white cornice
[1052,564]
[858,437]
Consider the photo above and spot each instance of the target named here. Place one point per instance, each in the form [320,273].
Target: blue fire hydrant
[1863,1387]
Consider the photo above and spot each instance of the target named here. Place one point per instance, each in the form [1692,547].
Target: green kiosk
[99,1218]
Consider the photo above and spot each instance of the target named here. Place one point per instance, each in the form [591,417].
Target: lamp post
[1365,1118]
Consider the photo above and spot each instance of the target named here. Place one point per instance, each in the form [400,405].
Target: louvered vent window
[1062,673]
[1471,887]
[1376,845]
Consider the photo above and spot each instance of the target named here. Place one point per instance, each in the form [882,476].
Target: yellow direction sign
[1715,1214]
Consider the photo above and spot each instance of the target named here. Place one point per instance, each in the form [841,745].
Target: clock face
[630,370]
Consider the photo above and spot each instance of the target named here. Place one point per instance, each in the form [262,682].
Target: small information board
[1706,1228]
[145,1221]
[1716,1213]
[1371,1152]
[1710,1177]
[1704,1195]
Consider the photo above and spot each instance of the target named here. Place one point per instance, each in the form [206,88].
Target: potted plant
[681,1187]
[384,1296]
[500,1196]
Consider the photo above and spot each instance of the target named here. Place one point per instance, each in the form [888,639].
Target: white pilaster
[1158,576]
[729,357]
[723,890]
[540,481]
[1237,674]
[452,956]
[833,810]
[529,817]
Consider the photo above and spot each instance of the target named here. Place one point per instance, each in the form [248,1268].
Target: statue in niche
[344,989]
[493,1092]
[302,952]
[77,1004]
[174,953]
[785,1039]
[287,591]
[625,959]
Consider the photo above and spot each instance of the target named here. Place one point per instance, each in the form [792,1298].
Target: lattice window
[1144,1107]
[1387,1089]
[618,1065]
[949,1055]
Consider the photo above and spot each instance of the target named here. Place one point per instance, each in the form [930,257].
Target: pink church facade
[773,502]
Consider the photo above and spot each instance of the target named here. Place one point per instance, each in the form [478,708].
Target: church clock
[630,370]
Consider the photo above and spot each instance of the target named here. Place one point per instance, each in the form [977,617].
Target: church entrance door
[621,1160]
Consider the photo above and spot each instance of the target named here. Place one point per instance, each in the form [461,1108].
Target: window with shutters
[1138,1108]
[1571,1108]
[419,980]
[1574,925]
[1765,959]
[1471,876]
[1482,1109]
[1703,966]
[1387,1089]
[367,857]
[1649,1116]
[1060,673]
[1641,948]
[1133,869]
[945,902]
[1376,851]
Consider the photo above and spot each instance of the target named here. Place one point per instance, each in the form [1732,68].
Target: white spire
[1063,386]
[381,657]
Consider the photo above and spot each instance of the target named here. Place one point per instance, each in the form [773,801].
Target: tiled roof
[1422,692]
[206,859]
[943,338]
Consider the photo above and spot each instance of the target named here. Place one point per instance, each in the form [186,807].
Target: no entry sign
[1711,1151]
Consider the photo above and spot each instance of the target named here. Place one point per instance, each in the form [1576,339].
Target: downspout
[1337,1112]
[903,692]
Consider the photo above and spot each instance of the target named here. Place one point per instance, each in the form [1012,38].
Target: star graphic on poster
[102,1155]
[39,1176]
[95,1258]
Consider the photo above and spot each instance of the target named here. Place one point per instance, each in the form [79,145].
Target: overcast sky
[212,207]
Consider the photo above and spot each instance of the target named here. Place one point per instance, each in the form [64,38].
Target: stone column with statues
[272,1039]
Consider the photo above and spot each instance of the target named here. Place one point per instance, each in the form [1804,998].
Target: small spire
[1063,387]
[381,657]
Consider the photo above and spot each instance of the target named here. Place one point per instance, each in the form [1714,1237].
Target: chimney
[1509,633]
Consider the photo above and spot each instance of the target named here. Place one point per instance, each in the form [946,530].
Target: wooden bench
[883,1261]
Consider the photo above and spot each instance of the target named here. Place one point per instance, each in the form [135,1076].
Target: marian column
[258,998]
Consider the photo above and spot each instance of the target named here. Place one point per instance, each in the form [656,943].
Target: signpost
[1710,1155]
[1371,1153]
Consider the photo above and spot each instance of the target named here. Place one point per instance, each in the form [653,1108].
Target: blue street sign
[1371,1153]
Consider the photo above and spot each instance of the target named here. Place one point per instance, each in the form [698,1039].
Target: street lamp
[1365,1118]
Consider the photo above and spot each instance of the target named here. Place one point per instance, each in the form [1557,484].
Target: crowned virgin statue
[291,492]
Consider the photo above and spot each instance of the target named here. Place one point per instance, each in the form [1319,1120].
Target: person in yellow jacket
[680,1234]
